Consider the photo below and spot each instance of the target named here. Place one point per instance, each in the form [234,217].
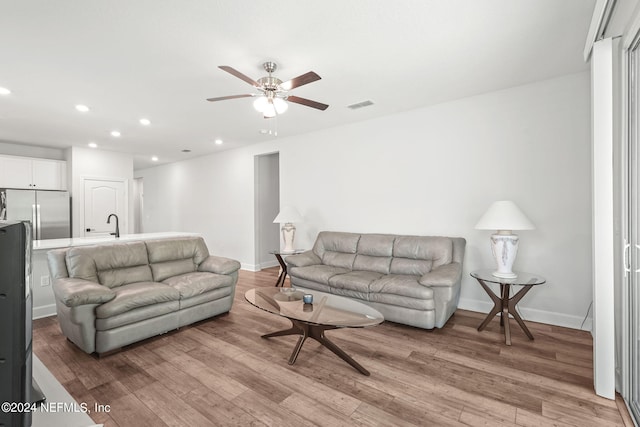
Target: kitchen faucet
[117,233]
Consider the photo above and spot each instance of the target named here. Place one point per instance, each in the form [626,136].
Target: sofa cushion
[336,242]
[354,280]
[125,275]
[136,295]
[110,265]
[398,284]
[403,301]
[167,269]
[410,267]
[376,244]
[438,250]
[163,250]
[317,273]
[136,315]
[364,296]
[379,264]
[192,284]
[338,259]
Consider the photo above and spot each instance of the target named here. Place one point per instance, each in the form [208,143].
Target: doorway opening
[138,205]
[267,206]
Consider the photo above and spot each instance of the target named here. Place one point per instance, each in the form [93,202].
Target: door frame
[630,314]
[80,204]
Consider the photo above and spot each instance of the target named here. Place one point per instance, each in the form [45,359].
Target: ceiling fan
[274,92]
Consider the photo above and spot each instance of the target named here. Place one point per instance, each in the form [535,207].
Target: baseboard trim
[249,267]
[532,314]
[44,311]
[269,264]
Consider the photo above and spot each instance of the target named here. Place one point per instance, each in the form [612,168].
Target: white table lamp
[504,216]
[287,216]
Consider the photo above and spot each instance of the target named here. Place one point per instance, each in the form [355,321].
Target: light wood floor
[221,373]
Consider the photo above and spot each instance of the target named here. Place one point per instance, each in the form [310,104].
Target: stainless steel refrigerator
[48,211]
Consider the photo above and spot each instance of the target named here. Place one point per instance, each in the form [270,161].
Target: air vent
[360,105]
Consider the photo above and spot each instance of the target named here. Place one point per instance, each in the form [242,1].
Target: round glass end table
[504,304]
[283,265]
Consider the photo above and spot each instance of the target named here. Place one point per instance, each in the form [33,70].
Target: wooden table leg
[505,306]
[307,330]
[283,271]
[505,313]
[512,309]
[497,305]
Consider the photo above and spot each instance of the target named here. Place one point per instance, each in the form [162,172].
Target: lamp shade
[504,215]
[288,214]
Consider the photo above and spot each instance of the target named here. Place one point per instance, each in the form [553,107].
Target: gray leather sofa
[413,280]
[109,296]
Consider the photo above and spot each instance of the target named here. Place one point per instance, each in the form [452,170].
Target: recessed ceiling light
[93,145]
[218,141]
[82,108]
[154,159]
[145,122]
[186,150]
[4,91]
[115,134]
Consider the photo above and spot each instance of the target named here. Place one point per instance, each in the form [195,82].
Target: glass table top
[522,279]
[327,309]
[293,252]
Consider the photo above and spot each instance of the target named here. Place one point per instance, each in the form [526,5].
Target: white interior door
[102,198]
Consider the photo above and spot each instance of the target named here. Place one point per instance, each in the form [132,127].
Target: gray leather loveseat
[413,280]
[109,296]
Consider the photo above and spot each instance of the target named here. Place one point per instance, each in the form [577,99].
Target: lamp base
[504,275]
[288,234]
[505,249]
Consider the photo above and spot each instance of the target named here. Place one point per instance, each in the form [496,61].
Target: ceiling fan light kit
[270,106]
[271,101]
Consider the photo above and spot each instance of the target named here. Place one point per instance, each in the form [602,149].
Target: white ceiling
[128,59]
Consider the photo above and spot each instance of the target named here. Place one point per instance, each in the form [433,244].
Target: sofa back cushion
[418,255]
[172,257]
[110,265]
[336,249]
[374,253]
[383,253]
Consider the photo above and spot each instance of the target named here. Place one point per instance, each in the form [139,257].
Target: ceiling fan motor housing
[269,83]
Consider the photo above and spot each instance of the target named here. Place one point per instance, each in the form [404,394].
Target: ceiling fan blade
[239,75]
[307,102]
[304,79]
[222,98]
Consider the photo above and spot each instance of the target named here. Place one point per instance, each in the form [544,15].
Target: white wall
[430,171]
[97,164]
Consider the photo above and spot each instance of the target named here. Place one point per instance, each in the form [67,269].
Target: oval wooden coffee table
[311,320]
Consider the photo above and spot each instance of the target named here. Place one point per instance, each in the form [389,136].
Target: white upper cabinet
[32,174]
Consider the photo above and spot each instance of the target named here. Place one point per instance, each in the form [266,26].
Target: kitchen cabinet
[31,173]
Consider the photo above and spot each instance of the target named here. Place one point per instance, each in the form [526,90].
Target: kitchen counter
[45,245]
[44,303]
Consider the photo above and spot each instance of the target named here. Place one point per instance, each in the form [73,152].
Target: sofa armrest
[74,292]
[219,265]
[443,276]
[304,259]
